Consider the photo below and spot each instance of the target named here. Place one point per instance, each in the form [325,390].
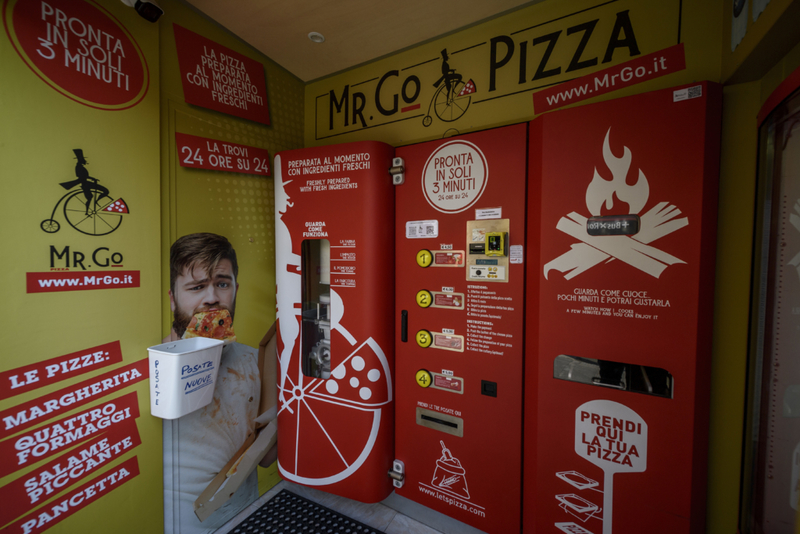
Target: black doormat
[287,513]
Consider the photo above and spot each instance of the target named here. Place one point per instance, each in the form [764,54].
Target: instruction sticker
[448,258]
[516,254]
[448,342]
[487,272]
[448,383]
[448,300]
[489,213]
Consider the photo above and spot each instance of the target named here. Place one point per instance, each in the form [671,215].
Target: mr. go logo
[87,206]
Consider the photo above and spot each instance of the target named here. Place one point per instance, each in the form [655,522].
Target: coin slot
[438,421]
[442,422]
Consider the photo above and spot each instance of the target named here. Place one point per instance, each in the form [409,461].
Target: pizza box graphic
[182,375]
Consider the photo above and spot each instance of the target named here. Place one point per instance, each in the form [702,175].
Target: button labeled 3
[424,339]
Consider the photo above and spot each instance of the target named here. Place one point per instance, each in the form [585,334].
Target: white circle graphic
[332,386]
[455,176]
[374,375]
[354,382]
[358,363]
[365,393]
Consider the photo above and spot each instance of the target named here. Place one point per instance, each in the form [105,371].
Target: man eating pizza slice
[203,284]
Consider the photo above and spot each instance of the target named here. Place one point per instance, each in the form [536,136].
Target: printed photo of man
[204,276]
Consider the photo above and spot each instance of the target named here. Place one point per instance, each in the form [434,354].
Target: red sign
[77,281]
[35,487]
[58,510]
[80,50]
[216,77]
[33,412]
[201,153]
[27,449]
[631,72]
[40,374]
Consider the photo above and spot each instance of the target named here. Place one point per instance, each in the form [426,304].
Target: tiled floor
[391,515]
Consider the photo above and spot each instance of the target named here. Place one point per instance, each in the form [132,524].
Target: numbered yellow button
[424,298]
[423,378]
[424,258]
[424,339]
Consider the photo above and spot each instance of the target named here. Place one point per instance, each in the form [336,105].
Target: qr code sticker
[422,229]
[696,91]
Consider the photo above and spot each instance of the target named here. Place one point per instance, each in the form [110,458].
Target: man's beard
[180,320]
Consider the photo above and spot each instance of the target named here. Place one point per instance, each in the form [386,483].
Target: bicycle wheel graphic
[50,226]
[450,109]
[91,221]
[334,423]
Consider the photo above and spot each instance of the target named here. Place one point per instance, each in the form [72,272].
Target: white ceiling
[356,31]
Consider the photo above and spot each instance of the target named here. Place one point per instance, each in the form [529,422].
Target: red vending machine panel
[335,282]
[620,293]
[460,234]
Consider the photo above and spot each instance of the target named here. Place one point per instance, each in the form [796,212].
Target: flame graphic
[602,191]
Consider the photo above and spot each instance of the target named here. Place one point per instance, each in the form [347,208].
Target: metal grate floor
[287,513]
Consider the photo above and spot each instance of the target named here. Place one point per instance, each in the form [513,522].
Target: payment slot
[488,249]
[619,309]
[334,229]
[460,220]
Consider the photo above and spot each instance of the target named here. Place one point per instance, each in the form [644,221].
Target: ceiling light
[316,37]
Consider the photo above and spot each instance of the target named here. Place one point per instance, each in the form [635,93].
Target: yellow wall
[132,152]
[39,129]
[238,206]
[501,97]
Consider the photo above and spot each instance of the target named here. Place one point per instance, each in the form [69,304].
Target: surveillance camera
[147,9]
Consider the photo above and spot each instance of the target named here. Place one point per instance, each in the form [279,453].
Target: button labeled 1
[424,258]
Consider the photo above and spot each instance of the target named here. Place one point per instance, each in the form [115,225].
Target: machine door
[621,278]
[334,253]
[460,234]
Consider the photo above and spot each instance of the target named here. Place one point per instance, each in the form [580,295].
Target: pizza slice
[215,324]
[118,206]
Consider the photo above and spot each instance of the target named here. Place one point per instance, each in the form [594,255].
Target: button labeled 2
[424,298]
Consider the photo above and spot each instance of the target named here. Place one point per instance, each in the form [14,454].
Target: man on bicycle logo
[452,98]
[88,184]
[88,206]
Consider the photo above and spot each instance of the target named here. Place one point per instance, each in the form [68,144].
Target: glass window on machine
[315,329]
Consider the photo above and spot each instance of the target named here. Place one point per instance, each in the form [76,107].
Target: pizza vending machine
[334,260]
[621,281]
[460,234]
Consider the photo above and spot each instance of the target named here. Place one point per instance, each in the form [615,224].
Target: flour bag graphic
[449,474]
